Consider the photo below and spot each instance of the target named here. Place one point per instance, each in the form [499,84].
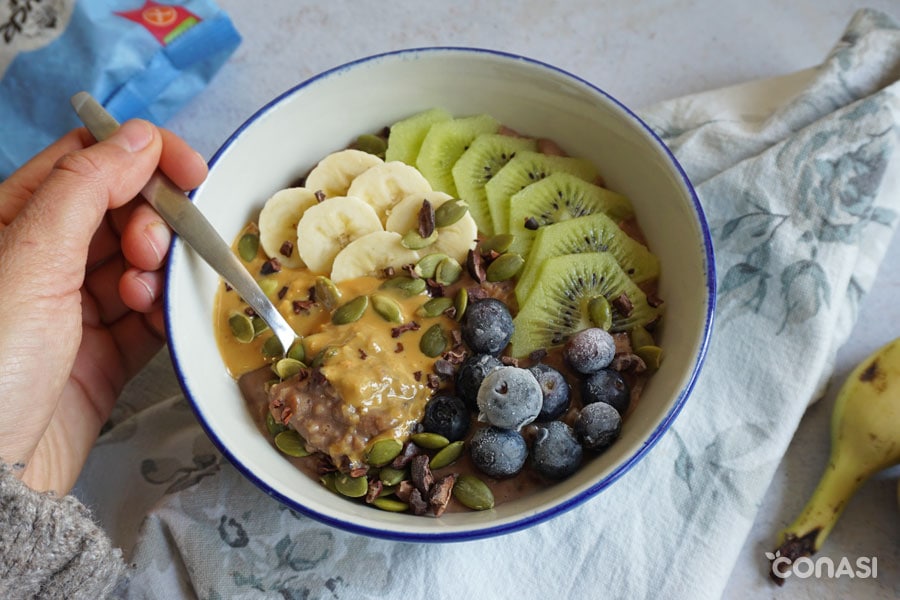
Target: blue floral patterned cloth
[799,179]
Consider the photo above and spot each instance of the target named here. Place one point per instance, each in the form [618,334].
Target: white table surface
[640,51]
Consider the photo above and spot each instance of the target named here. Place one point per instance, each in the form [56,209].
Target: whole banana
[865,439]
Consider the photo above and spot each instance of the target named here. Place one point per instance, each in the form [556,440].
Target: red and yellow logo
[164,22]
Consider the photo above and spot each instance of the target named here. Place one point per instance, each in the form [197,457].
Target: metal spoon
[189,223]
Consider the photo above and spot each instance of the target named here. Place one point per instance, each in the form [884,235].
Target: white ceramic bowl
[285,139]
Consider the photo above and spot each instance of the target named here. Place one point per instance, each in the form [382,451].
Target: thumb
[53,231]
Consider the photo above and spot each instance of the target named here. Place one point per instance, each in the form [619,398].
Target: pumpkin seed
[241,327]
[248,246]
[450,212]
[433,342]
[372,144]
[290,443]
[427,266]
[387,490]
[473,493]
[327,293]
[408,285]
[460,303]
[434,307]
[600,312]
[297,351]
[351,311]
[352,487]
[273,426]
[288,367]
[387,308]
[271,348]
[390,504]
[391,476]
[414,241]
[383,451]
[446,455]
[499,243]
[328,480]
[651,355]
[269,286]
[641,337]
[323,355]
[259,325]
[505,267]
[428,440]
[448,271]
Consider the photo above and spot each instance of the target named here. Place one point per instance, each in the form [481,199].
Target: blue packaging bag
[140,58]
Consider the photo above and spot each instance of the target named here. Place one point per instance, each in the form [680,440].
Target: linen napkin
[798,177]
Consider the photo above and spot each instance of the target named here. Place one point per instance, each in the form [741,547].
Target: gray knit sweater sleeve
[50,547]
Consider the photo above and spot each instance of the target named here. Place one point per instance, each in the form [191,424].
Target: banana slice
[334,173]
[370,255]
[328,227]
[453,240]
[278,224]
[386,184]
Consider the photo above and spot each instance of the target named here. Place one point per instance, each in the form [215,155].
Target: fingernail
[149,288]
[134,135]
[159,236]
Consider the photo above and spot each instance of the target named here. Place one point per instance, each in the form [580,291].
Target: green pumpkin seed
[448,272]
[390,476]
[473,493]
[290,443]
[600,312]
[322,356]
[505,267]
[499,243]
[428,440]
[297,351]
[273,426]
[450,212]
[427,265]
[241,327]
[433,341]
[641,337]
[259,325]
[287,368]
[271,348]
[372,144]
[327,293]
[409,286]
[414,241]
[328,480]
[248,246]
[651,355]
[387,490]
[351,311]
[387,308]
[269,286]
[460,303]
[447,455]
[390,504]
[435,307]
[352,487]
[383,451]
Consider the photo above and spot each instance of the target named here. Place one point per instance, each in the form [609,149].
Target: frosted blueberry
[590,350]
[556,452]
[598,425]
[498,453]
[487,326]
[509,397]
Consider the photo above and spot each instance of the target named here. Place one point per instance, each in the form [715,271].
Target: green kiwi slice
[405,137]
[486,155]
[559,197]
[559,304]
[590,233]
[522,170]
[444,143]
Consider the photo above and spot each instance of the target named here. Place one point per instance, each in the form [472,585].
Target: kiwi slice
[591,233]
[522,170]
[444,143]
[487,154]
[559,197]
[405,138]
[559,304]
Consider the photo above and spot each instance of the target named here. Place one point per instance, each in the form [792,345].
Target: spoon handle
[188,222]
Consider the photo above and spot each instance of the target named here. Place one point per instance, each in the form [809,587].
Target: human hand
[80,291]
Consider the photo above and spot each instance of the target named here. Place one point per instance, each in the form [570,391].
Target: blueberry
[590,350]
[447,416]
[598,425]
[555,391]
[487,326]
[498,452]
[608,386]
[556,452]
[510,397]
[470,375]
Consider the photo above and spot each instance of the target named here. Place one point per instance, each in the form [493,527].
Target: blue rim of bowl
[557,509]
